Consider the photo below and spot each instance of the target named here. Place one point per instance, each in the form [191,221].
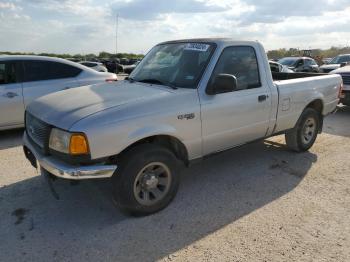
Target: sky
[89,26]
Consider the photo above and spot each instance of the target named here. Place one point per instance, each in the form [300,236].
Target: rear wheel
[302,137]
[147,179]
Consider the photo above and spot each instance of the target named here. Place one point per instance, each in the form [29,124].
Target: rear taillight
[111,80]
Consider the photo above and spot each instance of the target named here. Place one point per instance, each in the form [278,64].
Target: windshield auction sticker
[197,47]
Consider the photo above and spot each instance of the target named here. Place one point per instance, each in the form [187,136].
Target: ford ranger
[187,99]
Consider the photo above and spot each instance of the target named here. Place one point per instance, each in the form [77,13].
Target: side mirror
[223,83]
[343,64]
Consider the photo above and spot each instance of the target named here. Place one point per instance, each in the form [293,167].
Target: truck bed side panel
[297,94]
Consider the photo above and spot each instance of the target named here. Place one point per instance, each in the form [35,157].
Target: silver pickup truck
[186,99]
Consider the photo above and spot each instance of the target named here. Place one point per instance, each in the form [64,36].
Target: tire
[302,137]
[147,180]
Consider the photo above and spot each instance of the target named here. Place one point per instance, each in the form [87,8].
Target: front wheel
[302,137]
[147,180]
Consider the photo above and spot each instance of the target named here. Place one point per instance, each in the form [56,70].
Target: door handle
[263,98]
[10,95]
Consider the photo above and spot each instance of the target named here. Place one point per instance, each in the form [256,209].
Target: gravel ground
[258,202]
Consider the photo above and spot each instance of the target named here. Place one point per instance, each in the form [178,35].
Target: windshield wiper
[157,82]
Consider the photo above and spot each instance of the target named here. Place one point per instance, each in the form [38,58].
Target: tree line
[272,54]
[323,53]
[101,55]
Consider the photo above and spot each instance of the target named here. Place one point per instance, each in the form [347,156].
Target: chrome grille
[346,79]
[37,130]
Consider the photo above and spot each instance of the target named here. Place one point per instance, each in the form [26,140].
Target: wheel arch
[172,143]
[316,104]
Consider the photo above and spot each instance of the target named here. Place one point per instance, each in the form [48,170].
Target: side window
[313,62]
[241,62]
[300,62]
[344,59]
[7,73]
[35,71]
[308,62]
[48,70]
[274,67]
[88,64]
[60,70]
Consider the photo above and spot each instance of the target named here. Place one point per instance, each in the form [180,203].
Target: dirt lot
[259,202]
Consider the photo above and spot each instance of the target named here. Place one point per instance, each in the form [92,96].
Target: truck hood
[63,109]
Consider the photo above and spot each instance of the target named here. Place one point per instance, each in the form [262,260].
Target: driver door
[236,117]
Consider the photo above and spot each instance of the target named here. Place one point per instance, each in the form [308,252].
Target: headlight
[68,143]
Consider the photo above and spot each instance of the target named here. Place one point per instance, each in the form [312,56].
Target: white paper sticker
[197,47]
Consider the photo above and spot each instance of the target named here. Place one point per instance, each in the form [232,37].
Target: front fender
[148,131]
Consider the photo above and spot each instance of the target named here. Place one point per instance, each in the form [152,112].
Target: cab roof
[216,40]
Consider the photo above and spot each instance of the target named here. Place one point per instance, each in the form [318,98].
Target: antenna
[116,33]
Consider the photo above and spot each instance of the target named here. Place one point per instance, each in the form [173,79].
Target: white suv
[25,78]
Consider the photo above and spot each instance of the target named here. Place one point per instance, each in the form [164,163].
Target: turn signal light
[78,145]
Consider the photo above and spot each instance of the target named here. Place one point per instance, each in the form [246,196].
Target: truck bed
[277,76]
[296,89]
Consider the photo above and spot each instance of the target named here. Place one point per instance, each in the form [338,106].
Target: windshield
[340,59]
[174,64]
[288,61]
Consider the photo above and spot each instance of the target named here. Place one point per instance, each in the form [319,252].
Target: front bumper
[345,98]
[61,169]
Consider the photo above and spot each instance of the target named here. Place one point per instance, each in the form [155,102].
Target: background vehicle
[300,64]
[25,78]
[124,61]
[99,67]
[335,63]
[344,72]
[130,68]
[326,60]
[277,67]
[185,100]
[113,67]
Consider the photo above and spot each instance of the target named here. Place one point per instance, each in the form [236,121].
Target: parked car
[114,67]
[186,100]
[277,67]
[130,68]
[300,64]
[124,61]
[133,61]
[99,67]
[326,60]
[335,63]
[25,78]
[344,72]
